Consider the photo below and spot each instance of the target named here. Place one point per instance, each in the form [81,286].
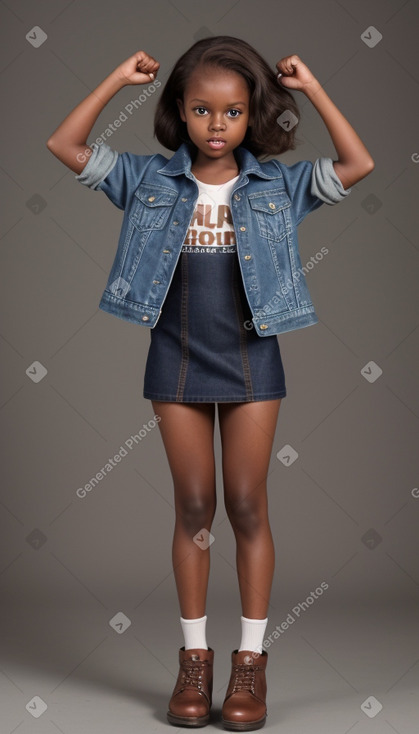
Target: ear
[181,108]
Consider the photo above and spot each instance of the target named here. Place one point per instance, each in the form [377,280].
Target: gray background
[345,512]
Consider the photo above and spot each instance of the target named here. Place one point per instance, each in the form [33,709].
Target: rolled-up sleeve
[98,166]
[325,183]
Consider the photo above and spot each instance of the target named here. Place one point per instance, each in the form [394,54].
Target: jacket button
[263,326]
[271,205]
[242,229]
[184,198]
[156,282]
[145,318]
[237,197]
[166,250]
[175,223]
[247,257]
[151,198]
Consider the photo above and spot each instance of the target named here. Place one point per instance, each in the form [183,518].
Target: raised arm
[354,161]
[68,141]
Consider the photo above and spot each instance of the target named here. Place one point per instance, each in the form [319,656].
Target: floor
[350,669]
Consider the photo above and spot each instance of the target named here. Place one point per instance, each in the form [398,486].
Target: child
[208,259]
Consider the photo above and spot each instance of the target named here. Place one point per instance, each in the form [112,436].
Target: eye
[200,110]
[238,113]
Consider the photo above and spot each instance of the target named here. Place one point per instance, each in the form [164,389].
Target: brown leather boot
[244,707]
[192,695]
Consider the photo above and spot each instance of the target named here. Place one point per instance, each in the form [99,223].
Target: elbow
[370,165]
[54,148]
[363,170]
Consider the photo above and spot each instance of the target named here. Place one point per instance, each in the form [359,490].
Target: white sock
[253,631]
[194,632]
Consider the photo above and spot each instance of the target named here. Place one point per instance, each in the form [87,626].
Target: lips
[216,143]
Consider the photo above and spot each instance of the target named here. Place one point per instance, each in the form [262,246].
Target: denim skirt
[204,347]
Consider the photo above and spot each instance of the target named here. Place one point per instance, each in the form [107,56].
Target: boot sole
[244,725]
[187,720]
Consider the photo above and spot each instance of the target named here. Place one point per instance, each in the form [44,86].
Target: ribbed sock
[194,632]
[253,631]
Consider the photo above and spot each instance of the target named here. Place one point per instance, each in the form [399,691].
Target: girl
[208,259]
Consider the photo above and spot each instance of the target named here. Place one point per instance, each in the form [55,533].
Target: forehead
[210,81]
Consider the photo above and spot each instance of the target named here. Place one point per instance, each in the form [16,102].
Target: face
[215,108]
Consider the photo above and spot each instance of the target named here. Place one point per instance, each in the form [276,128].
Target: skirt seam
[183,329]
[242,334]
[214,398]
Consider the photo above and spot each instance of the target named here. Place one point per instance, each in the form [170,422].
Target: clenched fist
[141,68]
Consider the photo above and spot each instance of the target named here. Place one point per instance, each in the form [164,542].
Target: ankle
[194,632]
[253,631]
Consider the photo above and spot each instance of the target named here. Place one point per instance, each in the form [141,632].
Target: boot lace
[244,677]
[192,672]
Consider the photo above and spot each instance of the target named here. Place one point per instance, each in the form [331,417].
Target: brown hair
[268,99]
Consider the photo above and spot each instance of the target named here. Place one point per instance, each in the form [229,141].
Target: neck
[211,170]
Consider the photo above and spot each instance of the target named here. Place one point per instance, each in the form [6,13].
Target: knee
[246,516]
[195,513]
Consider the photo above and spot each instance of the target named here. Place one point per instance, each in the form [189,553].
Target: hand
[295,74]
[138,69]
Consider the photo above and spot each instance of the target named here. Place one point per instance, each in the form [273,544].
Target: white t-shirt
[211,227]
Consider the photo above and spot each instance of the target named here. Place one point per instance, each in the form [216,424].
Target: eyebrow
[232,104]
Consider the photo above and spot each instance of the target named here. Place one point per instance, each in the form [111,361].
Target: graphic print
[211,228]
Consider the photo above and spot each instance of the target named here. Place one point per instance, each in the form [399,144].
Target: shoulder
[271,167]
[139,162]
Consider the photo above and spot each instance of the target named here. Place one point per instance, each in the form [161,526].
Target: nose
[217,122]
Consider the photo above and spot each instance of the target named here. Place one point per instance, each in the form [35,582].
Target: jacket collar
[181,161]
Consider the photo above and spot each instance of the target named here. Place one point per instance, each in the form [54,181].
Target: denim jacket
[158,196]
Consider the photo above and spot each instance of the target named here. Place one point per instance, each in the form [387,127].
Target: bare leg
[187,430]
[247,431]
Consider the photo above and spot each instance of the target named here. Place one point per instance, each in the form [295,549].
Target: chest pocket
[272,212]
[151,206]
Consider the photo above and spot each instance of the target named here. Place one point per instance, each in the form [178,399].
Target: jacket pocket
[272,212]
[151,206]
